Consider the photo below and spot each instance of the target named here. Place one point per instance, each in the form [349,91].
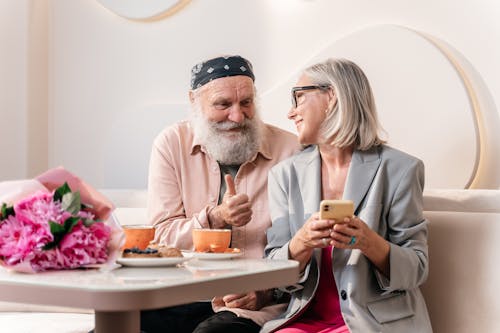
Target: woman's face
[310,109]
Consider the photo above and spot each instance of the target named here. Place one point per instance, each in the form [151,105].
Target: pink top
[323,313]
[325,305]
[184,184]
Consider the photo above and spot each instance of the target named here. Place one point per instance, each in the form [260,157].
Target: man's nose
[236,114]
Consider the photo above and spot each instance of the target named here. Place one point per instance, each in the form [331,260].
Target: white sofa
[463,288]
[462,291]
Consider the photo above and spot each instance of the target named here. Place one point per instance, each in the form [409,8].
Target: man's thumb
[229,185]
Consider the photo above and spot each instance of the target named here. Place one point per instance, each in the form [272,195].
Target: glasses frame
[302,88]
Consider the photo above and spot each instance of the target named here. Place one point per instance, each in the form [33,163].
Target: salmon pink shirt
[184,185]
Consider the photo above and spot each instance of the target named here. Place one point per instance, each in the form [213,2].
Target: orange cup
[138,236]
[211,240]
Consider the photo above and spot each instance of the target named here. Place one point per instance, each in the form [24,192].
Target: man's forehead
[229,85]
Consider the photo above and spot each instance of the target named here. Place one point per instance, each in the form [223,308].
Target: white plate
[151,262]
[211,256]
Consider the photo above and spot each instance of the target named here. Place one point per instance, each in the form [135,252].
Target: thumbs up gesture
[235,209]
[230,189]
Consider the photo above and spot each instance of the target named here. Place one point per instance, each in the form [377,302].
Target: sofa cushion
[129,216]
[462,292]
[126,197]
[462,200]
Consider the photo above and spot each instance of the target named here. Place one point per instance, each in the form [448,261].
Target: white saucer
[151,262]
[211,256]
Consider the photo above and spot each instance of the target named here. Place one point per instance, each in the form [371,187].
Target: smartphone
[336,209]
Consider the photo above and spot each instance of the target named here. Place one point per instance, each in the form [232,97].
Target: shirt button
[343,294]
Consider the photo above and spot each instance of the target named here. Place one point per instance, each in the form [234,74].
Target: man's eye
[246,102]
[222,105]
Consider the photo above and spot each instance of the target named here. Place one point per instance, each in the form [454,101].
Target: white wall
[13,89]
[110,79]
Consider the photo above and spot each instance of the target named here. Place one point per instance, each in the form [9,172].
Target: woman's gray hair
[353,119]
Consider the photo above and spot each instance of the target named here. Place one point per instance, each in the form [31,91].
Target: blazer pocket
[392,308]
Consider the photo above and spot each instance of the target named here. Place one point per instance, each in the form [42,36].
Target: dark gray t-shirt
[225,169]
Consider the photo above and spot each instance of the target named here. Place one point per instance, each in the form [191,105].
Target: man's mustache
[229,125]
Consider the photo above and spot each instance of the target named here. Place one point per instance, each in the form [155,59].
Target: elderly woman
[361,274]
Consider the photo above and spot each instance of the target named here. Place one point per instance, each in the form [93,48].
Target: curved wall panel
[143,9]
[428,113]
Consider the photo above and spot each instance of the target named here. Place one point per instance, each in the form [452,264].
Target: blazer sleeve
[279,234]
[407,233]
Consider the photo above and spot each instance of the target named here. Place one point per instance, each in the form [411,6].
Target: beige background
[85,88]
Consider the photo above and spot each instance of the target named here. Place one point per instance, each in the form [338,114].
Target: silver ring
[325,242]
[352,241]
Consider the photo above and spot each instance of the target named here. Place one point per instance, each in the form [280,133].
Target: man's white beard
[228,148]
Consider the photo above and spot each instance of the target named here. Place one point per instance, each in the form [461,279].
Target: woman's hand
[353,233]
[315,233]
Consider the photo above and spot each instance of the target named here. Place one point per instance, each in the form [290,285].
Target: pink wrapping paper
[13,191]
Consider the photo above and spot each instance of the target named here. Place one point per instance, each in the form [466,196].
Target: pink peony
[48,259]
[19,241]
[40,209]
[25,235]
[86,245]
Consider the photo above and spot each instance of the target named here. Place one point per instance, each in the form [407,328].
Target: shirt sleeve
[165,206]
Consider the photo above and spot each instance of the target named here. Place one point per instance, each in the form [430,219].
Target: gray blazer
[386,186]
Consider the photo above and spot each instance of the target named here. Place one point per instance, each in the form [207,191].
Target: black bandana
[216,68]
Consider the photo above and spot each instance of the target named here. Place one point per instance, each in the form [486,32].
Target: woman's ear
[332,101]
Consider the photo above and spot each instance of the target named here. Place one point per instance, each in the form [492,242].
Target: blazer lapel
[308,168]
[364,165]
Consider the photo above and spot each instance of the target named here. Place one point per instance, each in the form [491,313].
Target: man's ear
[191,96]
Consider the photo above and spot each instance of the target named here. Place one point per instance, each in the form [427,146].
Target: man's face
[230,98]
[225,118]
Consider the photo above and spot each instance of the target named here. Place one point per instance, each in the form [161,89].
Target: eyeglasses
[295,98]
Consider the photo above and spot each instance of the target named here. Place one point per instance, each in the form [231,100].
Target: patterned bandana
[216,68]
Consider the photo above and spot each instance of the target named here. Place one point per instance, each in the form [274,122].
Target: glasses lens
[296,89]
[294,99]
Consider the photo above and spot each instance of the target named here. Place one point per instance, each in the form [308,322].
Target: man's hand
[235,209]
[253,300]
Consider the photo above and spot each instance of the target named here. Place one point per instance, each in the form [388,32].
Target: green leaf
[60,230]
[6,211]
[71,202]
[70,223]
[57,230]
[61,191]
[86,206]
[89,222]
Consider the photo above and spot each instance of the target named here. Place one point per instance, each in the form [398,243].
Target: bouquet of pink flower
[55,222]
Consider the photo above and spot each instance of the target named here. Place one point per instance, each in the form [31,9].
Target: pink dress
[323,314]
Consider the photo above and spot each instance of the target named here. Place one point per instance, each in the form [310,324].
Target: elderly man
[211,172]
